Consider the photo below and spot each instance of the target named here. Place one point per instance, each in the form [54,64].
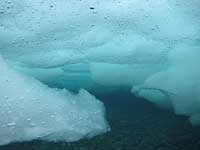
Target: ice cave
[74,74]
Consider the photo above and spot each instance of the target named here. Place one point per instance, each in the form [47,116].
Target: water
[116,50]
[136,125]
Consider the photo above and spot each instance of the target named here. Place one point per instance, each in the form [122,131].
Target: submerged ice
[152,48]
[31,110]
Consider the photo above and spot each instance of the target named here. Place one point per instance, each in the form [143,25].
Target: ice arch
[150,47]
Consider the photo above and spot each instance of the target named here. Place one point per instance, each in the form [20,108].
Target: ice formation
[150,47]
[31,110]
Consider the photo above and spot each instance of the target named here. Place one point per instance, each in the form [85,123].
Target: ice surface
[31,110]
[179,84]
[150,47]
[34,32]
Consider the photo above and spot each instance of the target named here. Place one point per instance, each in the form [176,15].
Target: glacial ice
[31,110]
[150,47]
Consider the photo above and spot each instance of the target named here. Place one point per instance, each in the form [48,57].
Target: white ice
[31,110]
